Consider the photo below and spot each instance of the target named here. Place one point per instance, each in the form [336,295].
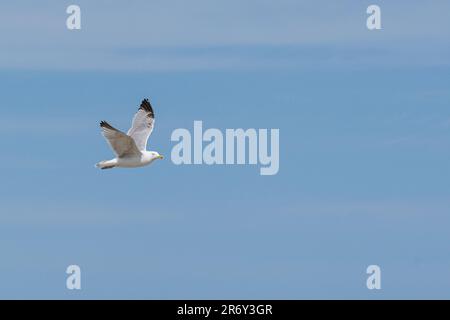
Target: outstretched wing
[142,125]
[122,144]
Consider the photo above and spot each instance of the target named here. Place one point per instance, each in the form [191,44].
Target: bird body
[130,148]
[146,158]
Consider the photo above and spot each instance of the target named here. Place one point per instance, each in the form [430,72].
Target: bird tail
[107,164]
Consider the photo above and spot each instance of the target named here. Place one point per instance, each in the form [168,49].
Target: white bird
[130,148]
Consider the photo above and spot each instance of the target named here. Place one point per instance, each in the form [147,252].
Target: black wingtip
[145,105]
[104,124]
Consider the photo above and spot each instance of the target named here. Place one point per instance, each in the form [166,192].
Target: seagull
[130,148]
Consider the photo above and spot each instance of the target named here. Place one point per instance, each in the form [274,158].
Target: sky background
[364,121]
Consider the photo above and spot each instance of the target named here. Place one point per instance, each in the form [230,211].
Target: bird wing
[142,125]
[122,144]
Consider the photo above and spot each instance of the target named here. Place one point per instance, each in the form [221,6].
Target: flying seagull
[130,148]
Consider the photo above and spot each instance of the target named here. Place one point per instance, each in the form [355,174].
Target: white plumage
[130,148]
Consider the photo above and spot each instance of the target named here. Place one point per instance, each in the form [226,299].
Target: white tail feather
[107,164]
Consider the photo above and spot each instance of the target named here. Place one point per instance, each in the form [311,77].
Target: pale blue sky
[364,123]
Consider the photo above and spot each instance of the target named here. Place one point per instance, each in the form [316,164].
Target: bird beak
[161,157]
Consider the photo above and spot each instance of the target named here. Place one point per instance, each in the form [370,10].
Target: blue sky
[364,150]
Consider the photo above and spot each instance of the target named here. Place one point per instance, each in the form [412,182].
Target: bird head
[156,155]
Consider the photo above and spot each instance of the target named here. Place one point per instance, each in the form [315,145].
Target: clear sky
[364,119]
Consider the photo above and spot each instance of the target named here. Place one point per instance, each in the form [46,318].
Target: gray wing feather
[122,144]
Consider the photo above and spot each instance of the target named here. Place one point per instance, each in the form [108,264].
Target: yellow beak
[161,157]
